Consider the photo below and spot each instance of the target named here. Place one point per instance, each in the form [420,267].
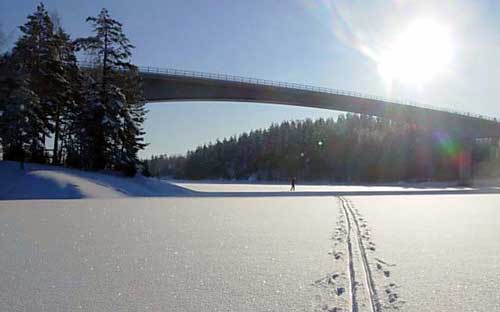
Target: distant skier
[22,156]
[294,180]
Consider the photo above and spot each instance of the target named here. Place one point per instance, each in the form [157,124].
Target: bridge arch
[161,87]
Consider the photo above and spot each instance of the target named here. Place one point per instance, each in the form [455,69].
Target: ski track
[351,286]
[350,261]
[365,276]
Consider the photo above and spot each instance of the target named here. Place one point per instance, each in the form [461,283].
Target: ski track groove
[353,229]
[350,262]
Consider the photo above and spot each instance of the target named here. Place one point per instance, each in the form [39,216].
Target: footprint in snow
[339,291]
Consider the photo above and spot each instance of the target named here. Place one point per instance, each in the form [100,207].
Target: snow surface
[445,249]
[164,254]
[121,244]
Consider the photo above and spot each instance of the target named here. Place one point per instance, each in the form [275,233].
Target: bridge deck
[162,85]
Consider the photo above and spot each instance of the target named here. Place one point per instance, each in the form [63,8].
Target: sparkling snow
[72,240]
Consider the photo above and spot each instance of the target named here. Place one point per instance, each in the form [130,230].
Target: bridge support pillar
[465,174]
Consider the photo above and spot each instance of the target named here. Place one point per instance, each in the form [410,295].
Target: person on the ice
[294,180]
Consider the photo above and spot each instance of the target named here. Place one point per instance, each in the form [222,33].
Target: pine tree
[115,103]
[145,169]
[133,116]
[69,98]
[32,53]
[20,109]
[44,54]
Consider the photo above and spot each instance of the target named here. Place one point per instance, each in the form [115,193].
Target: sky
[439,53]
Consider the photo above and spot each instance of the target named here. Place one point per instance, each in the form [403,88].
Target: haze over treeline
[93,115]
[353,148]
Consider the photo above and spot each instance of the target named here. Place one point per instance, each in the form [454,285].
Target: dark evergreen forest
[352,148]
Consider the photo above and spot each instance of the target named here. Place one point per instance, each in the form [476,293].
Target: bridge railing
[290,85]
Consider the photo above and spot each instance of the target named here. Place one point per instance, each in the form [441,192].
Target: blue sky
[325,43]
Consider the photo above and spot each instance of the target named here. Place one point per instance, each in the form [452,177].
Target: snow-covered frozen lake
[120,245]
[164,254]
[446,248]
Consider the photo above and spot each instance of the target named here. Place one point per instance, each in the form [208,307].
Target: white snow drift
[52,182]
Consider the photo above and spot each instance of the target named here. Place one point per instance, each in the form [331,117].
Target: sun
[418,54]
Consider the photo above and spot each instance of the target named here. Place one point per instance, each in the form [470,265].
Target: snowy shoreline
[54,182]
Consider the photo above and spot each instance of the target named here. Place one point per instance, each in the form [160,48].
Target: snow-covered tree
[45,54]
[32,54]
[95,116]
[19,113]
[133,116]
[68,97]
[115,105]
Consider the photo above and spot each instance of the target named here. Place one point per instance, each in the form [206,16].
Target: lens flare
[449,145]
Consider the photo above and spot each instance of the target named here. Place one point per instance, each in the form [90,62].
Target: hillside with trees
[93,115]
[352,148]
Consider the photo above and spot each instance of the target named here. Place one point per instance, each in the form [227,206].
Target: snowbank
[52,182]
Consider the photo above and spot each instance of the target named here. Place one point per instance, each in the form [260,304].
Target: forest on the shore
[53,110]
[351,148]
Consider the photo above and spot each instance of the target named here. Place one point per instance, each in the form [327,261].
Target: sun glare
[420,52]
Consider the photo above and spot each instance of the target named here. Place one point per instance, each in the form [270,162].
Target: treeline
[353,148]
[92,115]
